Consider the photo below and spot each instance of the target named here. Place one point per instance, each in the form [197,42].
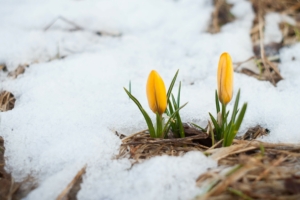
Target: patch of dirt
[220,16]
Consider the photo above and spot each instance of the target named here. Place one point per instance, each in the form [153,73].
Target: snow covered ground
[67,110]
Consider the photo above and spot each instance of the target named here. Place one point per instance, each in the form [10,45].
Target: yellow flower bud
[225,78]
[156,93]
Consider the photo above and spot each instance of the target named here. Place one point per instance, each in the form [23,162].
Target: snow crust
[67,110]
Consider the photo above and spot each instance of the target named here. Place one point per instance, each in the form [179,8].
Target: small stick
[212,147]
[65,20]
[262,50]
[65,192]
[77,27]
[238,64]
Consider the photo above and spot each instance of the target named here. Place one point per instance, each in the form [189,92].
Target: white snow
[67,110]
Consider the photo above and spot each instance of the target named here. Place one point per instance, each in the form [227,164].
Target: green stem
[158,125]
[224,121]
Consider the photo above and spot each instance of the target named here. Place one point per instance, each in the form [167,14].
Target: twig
[77,27]
[65,192]
[262,50]
[238,64]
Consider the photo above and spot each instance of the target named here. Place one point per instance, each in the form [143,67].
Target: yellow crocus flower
[156,93]
[225,78]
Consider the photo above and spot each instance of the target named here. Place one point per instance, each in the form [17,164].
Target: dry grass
[7,101]
[249,169]
[141,146]
[253,170]
[266,55]
[19,70]
[70,192]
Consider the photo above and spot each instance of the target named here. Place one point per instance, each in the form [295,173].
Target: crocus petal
[225,78]
[156,93]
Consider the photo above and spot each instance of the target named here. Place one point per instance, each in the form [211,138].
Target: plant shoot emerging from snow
[157,100]
[225,129]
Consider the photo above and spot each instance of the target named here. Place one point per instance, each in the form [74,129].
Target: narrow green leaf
[216,125]
[229,136]
[169,121]
[172,85]
[170,107]
[240,117]
[197,126]
[235,107]
[167,112]
[180,126]
[174,102]
[173,124]
[227,114]
[217,102]
[146,116]
[178,95]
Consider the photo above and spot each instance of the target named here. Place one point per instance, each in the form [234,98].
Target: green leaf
[178,95]
[217,102]
[170,107]
[197,126]
[173,125]
[174,102]
[235,107]
[146,116]
[172,85]
[233,131]
[169,121]
[167,112]
[240,117]
[179,127]
[227,114]
[229,136]
[216,125]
